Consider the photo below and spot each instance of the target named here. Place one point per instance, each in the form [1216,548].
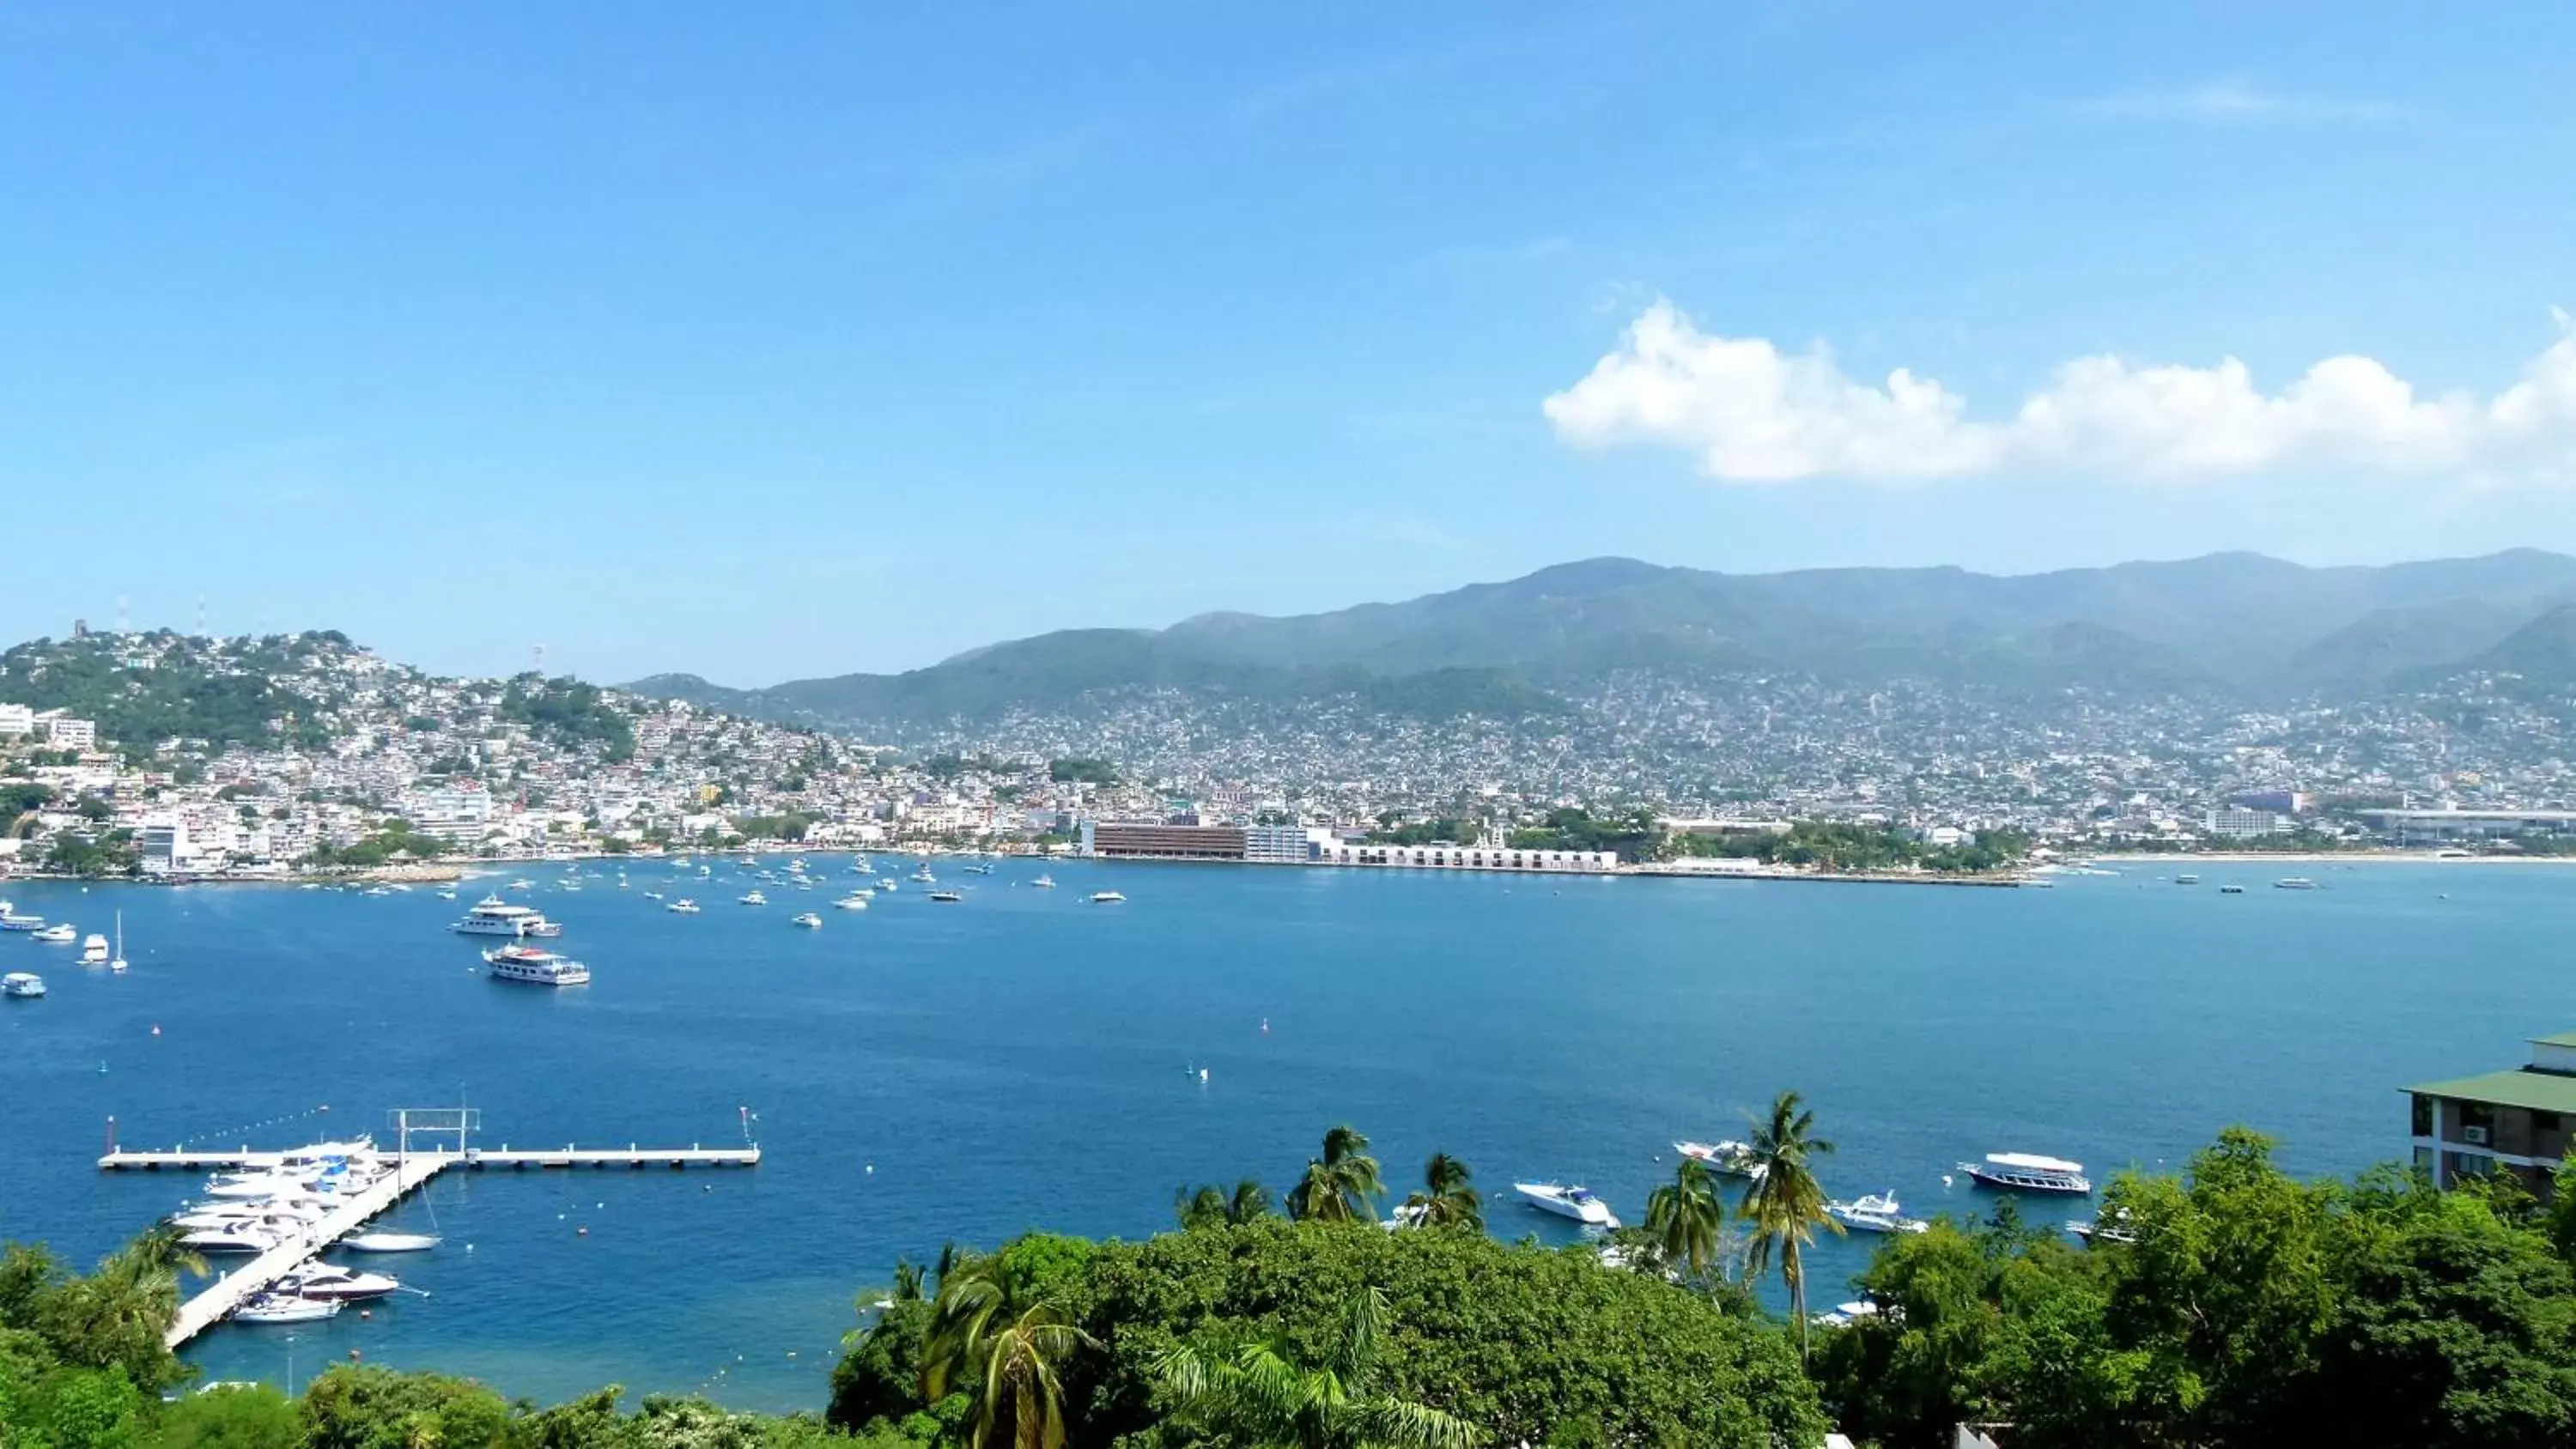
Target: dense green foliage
[1522,1343]
[1837,846]
[1090,772]
[92,853]
[2246,1308]
[388,839]
[1636,835]
[569,713]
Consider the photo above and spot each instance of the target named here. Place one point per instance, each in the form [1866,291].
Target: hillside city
[165,754]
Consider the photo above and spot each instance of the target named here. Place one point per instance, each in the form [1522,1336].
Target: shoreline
[2323,857]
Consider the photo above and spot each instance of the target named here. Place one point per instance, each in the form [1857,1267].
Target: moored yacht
[493,916]
[1875,1212]
[94,950]
[331,1282]
[1106,898]
[1044,882]
[10,920]
[1735,1159]
[949,898]
[516,962]
[682,907]
[923,875]
[1576,1202]
[854,901]
[23,985]
[283,1308]
[2028,1172]
[2294,883]
[807,919]
[61,935]
[755,898]
[390,1242]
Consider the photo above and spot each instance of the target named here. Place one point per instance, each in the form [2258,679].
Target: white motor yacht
[924,876]
[516,962]
[331,1281]
[1106,898]
[1576,1202]
[1735,1159]
[260,1186]
[1874,1213]
[2028,1172]
[493,916]
[283,1308]
[807,919]
[61,935]
[755,898]
[244,1238]
[94,951]
[1044,882]
[854,901]
[22,985]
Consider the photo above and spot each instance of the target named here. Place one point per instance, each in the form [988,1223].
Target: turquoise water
[1026,1059]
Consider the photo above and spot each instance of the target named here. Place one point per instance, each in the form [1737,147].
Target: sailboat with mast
[116,963]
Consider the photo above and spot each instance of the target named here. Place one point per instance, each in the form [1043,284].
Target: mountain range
[2235,625]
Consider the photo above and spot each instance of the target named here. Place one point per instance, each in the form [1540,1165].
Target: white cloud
[1756,414]
[2231,99]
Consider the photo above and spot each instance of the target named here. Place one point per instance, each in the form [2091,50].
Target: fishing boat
[1575,1201]
[2028,1172]
[493,916]
[1735,1159]
[923,875]
[755,898]
[854,901]
[1044,882]
[807,919]
[390,1242]
[1106,898]
[22,985]
[1875,1212]
[62,935]
[516,962]
[94,951]
[682,907]
[946,897]
[284,1308]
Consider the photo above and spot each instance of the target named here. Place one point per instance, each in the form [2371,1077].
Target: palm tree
[1257,1394]
[1006,1353]
[1341,1185]
[1448,1197]
[1785,1204]
[1210,1206]
[1684,1217]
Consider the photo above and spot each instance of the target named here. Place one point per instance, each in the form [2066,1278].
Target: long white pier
[412,1169]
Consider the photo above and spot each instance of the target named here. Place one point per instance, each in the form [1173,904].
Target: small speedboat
[946,897]
[1044,882]
[390,1242]
[979,870]
[2028,1172]
[1735,1159]
[246,1238]
[924,876]
[2294,883]
[58,935]
[2186,880]
[1875,1212]
[755,898]
[682,907]
[807,919]
[854,901]
[23,985]
[1106,898]
[1576,1202]
[887,884]
[284,1308]
[2231,890]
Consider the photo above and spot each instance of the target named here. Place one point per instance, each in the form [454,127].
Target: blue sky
[794,339]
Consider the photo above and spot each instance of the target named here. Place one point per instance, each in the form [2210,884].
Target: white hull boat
[2027,1172]
[283,1308]
[1874,1213]
[1106,898]
[1735,1159]
[390,1242]
[333,1283]
[1576,1202]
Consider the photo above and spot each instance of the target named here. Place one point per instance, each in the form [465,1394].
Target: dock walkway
[411,1170]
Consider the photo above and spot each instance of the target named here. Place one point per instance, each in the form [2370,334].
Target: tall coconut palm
[1342,1185]
[1447,1198]
[1684,1216]
[1785,1204]
[1258,1394]
[1007,1353]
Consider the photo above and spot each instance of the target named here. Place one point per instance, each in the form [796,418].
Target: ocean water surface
[1025,1059]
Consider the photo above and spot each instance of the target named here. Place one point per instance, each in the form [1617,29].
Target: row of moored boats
[1877,1212]
[285,1204]
[95,949]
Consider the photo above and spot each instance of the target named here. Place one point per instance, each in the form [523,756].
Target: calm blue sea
[1026,1059]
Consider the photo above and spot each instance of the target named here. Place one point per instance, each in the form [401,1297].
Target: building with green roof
[2512,1121]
